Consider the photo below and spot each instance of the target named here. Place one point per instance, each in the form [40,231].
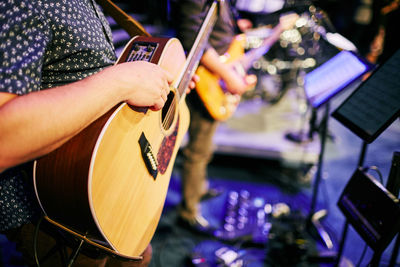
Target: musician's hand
[192,84]
[236,83]
[144,84]
[244,24]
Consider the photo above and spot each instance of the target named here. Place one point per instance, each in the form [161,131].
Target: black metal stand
[301,136]
[346,224]
[314,217]
[57,247]
[75,254]
[395,252]
[375,259]
[393,185]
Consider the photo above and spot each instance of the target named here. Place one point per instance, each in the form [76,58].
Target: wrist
[104,85]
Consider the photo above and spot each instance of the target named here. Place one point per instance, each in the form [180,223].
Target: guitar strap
[129,24]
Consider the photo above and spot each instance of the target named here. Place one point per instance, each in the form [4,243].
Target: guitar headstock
[288,20]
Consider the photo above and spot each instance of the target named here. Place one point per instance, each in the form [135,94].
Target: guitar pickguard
[166,149]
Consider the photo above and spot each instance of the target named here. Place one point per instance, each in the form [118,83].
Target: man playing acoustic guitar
[57,76]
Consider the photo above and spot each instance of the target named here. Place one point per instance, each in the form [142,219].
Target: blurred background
[281,162]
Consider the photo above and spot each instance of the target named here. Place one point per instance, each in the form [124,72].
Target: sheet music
[332,76]
[376,101]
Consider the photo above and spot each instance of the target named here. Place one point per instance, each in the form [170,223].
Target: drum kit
[308,44]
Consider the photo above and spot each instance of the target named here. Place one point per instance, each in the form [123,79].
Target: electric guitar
[211,89]
[107,185]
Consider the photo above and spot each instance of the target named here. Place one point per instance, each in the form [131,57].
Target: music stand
[393,185]
[328,80]
[369,110]
[320,86]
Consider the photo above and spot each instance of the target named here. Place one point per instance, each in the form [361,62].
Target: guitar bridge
[148,156]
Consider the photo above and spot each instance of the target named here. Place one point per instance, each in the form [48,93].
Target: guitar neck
[197,50]
[255,53]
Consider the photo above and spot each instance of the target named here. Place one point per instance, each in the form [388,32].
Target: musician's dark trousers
[24,239]
[197,154]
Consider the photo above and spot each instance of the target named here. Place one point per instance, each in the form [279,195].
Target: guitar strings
[168,117]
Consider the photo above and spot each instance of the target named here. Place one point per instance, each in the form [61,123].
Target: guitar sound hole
[168,111]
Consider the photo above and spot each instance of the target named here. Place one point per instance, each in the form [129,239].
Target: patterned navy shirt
[45,43]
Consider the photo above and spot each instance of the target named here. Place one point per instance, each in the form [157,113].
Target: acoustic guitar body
[109,183]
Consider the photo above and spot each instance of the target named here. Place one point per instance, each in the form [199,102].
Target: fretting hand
[237,83]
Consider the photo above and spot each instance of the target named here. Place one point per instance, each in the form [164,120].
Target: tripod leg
[75,254]
[316,223]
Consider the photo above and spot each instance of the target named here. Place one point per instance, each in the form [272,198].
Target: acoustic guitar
[108,184]
[211,89]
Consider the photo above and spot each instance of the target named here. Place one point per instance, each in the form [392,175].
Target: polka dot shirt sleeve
[24,36]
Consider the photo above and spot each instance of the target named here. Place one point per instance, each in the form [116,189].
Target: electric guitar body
[219,103]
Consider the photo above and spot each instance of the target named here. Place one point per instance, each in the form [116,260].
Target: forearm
[211,60]
[235,80]
[35,124]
